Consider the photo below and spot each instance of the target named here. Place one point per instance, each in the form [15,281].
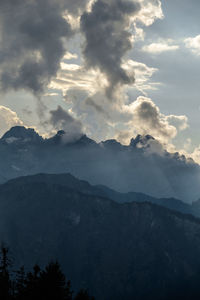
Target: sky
[107,68]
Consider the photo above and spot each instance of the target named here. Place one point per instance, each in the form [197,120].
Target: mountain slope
[71,182]
[121,251]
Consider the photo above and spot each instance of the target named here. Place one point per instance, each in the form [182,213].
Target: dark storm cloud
[96,106]
[76,7]
[107,39]
[60,119]
[31,34]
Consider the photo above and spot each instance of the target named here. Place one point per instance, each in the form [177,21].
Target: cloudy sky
[109,68]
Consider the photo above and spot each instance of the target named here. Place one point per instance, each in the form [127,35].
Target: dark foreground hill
[120,251]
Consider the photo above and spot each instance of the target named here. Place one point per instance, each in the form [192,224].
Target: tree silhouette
[31,285]
[5,282]
[83,295]
[53,284]
[47,284]
[20,284]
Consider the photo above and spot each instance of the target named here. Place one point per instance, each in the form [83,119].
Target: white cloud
[69,55]
[142,74]
[195,154]
[180,122]
[74,76]
[158,48]
[151,10]
[193,44]
[69,67]
[147,119]
[8,119]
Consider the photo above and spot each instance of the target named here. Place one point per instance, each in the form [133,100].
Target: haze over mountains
[72,183]
[143,166]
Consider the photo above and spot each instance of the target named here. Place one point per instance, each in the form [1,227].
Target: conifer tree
[53,283]
[83,295]
[5,282]
[47,284]
[20,284]
[32,285]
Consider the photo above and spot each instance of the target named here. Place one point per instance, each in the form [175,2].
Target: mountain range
[82,186]
[143,166]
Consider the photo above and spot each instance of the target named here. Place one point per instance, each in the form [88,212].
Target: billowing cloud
[142,74]
[146,118]
[76,7]
[96,106]
[76,77]
[107,39]
[32,44]
[193,43]
[61,119]
[8,119]
[180,122]
[195,154]
[158,48]
[35,54]
[150,11]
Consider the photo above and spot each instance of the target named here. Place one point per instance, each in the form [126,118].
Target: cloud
[8,119]
[34,55]
[32,44]
[107,39]
[95,112]
[96,106]
[33,50]
[105,119]
[60,119]
[193,43]
[180,122]
[76,77]
[84,93]
[69,55]
[142,74]
[150,11]
[195,154]
[146,118]
[149,120]
[158,48]
[77,7]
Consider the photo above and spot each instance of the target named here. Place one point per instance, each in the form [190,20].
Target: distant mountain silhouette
[118,250]
[143,166]
[82,186]
[21,134]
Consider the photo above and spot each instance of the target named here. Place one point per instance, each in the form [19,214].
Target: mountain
[118,250]
[141,141]
[82,186]
[21,134]
[143,166]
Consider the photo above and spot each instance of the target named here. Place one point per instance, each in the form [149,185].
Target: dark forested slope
[119,251]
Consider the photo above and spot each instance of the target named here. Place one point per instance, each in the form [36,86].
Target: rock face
[21,134]
[143,166]
[120,251]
